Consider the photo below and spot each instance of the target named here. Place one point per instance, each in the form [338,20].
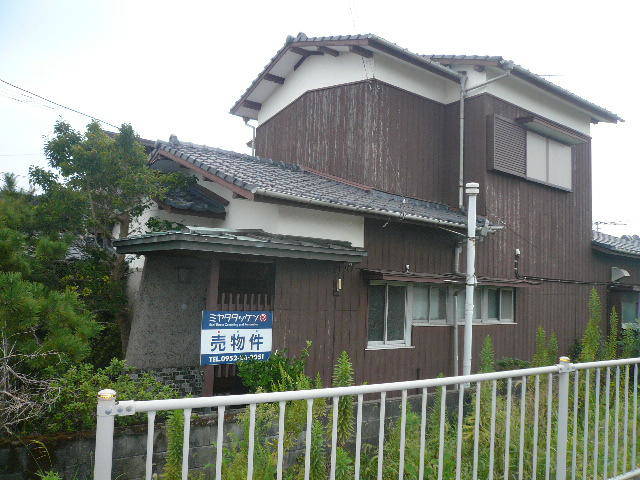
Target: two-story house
[348,222]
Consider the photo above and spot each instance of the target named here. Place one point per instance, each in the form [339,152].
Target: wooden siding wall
[367,132]
[376,134]
[306,308]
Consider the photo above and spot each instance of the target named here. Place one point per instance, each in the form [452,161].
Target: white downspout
[463,92]
[508,66]
[472,189]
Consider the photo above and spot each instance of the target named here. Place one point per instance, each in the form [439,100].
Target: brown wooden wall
[306,309]
[367,132]
[376,134]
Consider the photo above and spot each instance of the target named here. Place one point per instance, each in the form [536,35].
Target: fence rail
[564,421]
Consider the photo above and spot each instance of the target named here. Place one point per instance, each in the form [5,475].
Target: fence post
[104,434]
[565,368]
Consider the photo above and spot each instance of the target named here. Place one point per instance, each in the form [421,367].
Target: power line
[19,154]
[58,104]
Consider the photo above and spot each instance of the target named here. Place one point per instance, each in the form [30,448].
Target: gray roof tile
[534,78]
[270,178]
[626,245]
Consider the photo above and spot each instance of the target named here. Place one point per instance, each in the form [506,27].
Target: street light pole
[472,190]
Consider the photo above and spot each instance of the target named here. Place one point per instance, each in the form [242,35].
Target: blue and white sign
[229,336]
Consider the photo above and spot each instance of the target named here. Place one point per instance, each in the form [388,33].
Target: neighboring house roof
[625,245]
[523,73]
[297,49]
[194,200]
[254,176]
[241,242]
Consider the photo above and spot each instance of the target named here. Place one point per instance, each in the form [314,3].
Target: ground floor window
[394,307]
[387,315]
[630,308]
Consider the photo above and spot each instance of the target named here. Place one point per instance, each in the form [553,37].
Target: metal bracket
[125,408]
[565,365]
[120,409]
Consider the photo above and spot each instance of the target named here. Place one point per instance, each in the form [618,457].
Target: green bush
[509,363]
[175,436]
[274,374]
[75,407]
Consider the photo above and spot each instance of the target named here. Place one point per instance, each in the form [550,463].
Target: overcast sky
[177,67]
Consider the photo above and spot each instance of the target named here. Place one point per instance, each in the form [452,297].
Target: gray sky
[177,67]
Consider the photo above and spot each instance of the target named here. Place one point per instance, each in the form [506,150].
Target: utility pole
[472,190]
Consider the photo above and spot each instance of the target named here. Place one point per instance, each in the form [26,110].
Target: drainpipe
[253,135]
[464,91]
[473,189]
[508,67]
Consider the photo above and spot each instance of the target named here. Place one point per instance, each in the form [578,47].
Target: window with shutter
[519,151]
[507,146]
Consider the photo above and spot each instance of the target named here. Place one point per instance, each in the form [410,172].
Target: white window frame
[429,321]
[546,162]
[635,324]
[406,341]
[482,307]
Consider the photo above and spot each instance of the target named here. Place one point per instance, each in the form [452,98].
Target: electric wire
[546,252]
[93,117]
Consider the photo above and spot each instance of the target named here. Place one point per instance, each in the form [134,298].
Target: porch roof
[241,242]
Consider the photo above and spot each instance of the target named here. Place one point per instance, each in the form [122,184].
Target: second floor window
[548,161]
[518,151]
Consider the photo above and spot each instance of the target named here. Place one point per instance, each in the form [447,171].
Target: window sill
[461,324]
[387,347]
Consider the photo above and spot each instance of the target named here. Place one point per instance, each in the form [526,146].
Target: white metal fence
[564,421]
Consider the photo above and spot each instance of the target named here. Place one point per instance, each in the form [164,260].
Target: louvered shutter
[507,146]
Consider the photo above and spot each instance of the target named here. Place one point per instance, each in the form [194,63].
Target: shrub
[343,377]
[274,374]
[487,356]
[175,436]
[509,363]
[75,406]
[611,344]
[592,338]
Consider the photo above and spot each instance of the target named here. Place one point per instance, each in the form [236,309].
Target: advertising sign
[229,336]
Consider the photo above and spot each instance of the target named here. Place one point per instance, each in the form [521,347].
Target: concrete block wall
[73,458]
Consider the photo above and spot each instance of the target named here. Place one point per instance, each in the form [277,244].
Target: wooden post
[211,304]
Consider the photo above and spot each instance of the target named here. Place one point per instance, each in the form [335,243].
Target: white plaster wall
[525,95]
[288,220]
[317,71]
[325,71]
[272,218]
[540,102]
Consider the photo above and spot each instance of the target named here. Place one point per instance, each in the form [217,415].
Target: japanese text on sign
[229,336]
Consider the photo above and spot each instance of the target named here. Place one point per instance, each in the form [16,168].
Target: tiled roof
[625,245]
[532,77]
[270,178]
[253,235]
[242,242]
[194,200]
